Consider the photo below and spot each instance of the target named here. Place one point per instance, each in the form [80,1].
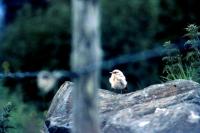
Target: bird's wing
[122,83]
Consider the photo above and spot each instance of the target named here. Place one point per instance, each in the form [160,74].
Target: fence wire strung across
[106,65]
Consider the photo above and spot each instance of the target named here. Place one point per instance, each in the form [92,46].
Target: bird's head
[117,72]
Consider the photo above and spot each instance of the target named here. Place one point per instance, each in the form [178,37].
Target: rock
[172,107]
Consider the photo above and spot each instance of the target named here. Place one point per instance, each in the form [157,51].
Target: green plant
[5,117]
[183,65]
[24,118]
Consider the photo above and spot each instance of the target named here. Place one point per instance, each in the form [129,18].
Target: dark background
[36,35]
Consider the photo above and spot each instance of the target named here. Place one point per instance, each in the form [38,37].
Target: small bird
[118,80]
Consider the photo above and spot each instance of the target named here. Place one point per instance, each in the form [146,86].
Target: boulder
[172,107]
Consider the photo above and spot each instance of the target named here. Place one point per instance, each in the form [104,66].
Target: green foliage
[179,65]
[4,118]
[38,39]
[24,118]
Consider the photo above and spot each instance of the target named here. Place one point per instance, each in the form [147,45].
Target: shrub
[23,118]
[183,64]
[4,118]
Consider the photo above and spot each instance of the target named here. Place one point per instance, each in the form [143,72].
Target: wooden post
[85,51]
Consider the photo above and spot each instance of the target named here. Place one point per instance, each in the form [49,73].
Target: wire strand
[107,64]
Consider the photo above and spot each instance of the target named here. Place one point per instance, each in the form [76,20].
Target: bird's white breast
[118,82]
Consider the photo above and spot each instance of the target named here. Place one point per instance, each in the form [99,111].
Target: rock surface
[172,107]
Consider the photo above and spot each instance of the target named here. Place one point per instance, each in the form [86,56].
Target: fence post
[85,51]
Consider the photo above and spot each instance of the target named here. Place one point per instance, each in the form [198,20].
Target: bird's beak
[110,72]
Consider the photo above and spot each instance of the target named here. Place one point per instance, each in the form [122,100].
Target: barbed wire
[107,64]
[18,74]
[32,74]
[135,57]
[47,80]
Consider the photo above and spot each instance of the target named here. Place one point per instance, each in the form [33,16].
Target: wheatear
[118,80]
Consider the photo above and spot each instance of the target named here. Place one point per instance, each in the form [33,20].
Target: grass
[183,64]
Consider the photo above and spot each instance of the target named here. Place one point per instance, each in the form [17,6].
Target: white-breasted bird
[118,80]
